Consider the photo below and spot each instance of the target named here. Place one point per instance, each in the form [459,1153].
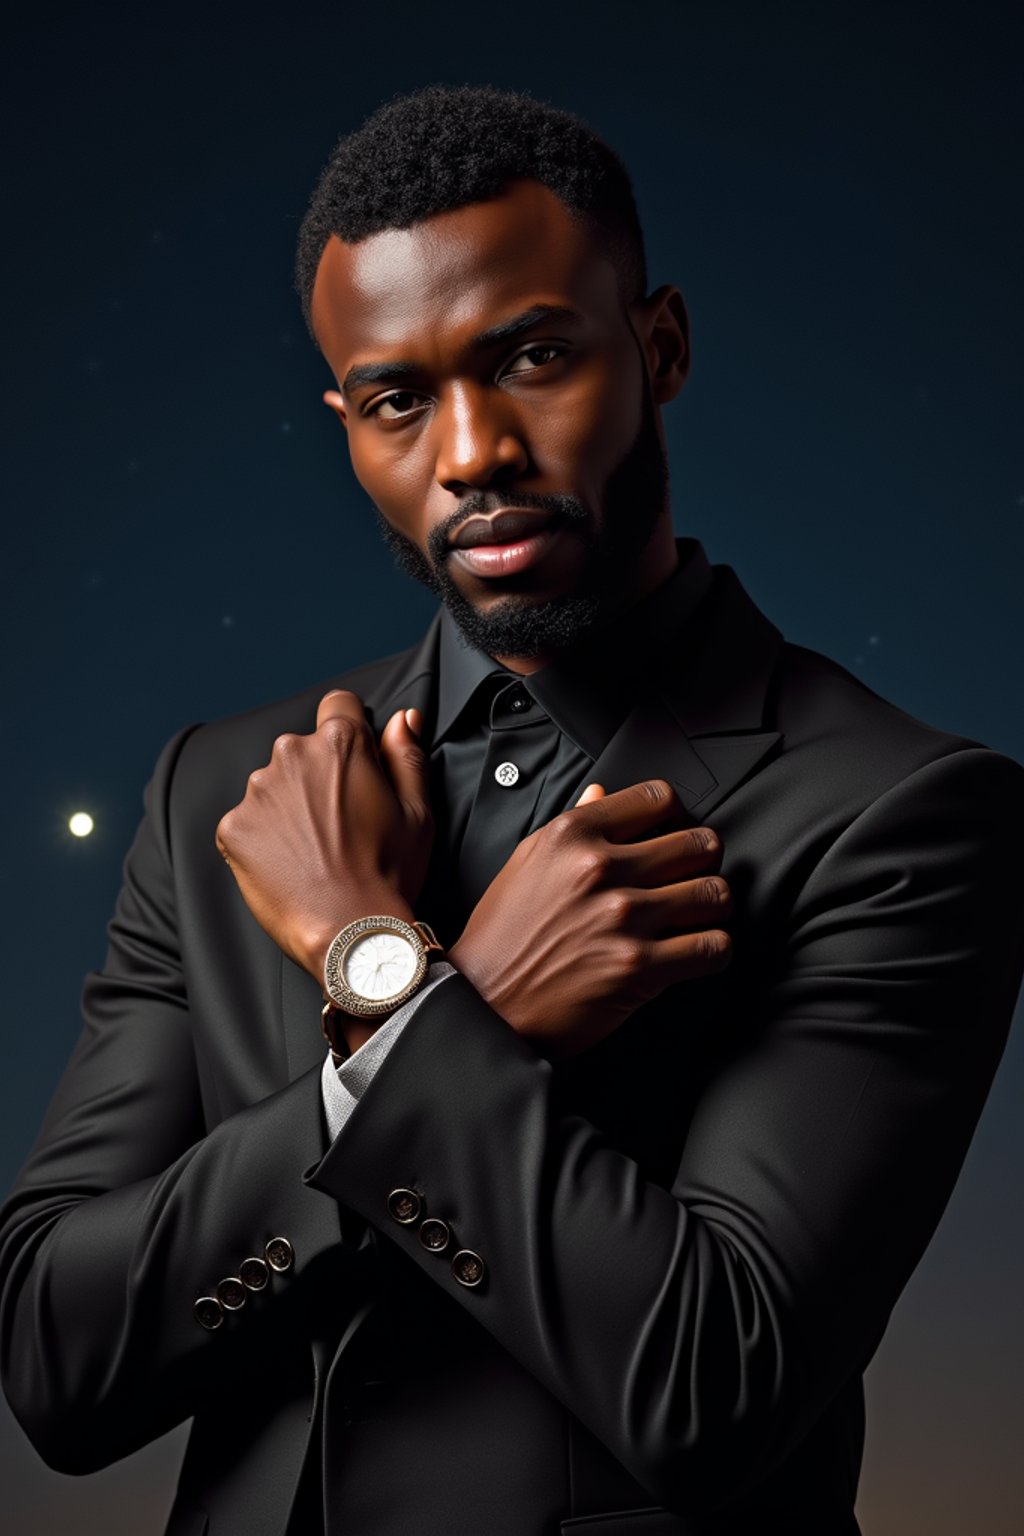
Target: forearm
[101,1346]
[130,1206]
[669,1341]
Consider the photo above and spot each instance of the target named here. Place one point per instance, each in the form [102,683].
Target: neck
[657,563]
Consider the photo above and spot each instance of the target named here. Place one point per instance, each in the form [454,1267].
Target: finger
[690,955]
[406,762]
[629,813]
[592,792]
[340,703]
[705,902]
[659,861]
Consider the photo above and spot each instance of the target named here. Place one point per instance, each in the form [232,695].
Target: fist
[592,916]
[333,828]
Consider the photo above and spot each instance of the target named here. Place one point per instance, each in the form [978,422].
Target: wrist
[386,904]
[461,957]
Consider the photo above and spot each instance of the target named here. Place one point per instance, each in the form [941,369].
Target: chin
[525,625]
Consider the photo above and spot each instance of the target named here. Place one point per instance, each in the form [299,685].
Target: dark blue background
[837,191]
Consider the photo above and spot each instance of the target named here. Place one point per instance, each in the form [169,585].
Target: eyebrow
[376,373]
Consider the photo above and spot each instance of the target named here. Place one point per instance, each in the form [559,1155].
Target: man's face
[553,423]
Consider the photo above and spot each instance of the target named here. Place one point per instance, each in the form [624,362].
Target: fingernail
[410,720]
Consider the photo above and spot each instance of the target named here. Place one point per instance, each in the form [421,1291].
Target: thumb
[406,760]
[592,792]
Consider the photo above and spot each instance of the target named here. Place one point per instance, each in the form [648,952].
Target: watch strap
[431,942]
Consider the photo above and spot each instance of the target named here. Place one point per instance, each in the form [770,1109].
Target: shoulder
[848,746]
[211,760]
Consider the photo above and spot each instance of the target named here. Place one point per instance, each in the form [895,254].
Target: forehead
[452,274]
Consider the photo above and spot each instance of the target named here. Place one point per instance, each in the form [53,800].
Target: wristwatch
[374,965]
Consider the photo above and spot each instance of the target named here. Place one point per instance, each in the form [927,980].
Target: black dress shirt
[507,752]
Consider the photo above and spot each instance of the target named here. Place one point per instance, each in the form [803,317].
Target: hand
[587,921]
[332,829]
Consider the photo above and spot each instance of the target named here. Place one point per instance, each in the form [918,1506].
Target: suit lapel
[412,685]
[652,744]
[700,725]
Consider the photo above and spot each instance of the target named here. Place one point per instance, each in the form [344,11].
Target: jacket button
[279,1254]
[468,1267]
[404,1205]
[435,1234]
[253,1273]
[208,1312]
[231,1294]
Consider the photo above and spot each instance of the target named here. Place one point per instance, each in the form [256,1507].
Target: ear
[335,400]
[663,330]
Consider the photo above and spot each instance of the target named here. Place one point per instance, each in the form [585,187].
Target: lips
[491,561]
[506,527]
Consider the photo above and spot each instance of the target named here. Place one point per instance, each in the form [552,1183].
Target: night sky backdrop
[837,191]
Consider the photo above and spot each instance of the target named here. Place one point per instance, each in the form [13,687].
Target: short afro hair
[444,146]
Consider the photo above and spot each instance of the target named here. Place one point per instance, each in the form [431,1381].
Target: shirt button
[507,774]
[518,699]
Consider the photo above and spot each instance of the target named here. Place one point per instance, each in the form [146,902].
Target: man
[664,967]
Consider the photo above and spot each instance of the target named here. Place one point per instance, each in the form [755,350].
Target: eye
[537,353]
[396,403]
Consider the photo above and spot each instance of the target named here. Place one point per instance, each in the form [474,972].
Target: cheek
[583,431]
[391,473]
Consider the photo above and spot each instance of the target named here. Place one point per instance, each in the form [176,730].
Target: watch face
[379,965]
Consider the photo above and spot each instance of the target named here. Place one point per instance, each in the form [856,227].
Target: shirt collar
[589,689]
[461,670]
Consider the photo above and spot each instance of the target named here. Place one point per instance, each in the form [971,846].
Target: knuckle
[714,945]
[658,791]
[419,814]
[256,778]
[704,840]
[561,830]
[592,867]
[618,908]
[340,732]
[633,958]
[714,891]
[284,744]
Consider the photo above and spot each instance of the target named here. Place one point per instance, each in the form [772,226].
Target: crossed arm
[700,1330]
[695,1329]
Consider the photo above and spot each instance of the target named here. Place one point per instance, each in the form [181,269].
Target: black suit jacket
[693,1233]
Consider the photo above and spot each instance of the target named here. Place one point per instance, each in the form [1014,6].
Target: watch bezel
[338,990]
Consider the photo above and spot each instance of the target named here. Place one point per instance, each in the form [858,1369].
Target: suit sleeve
[343,1086]
[127,1210]
[699,1330]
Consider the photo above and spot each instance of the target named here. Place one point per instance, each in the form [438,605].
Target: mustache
[562,508]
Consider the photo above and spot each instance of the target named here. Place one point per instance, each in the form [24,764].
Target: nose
[479,440]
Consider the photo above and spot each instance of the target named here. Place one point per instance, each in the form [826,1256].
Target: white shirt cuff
[343,1086]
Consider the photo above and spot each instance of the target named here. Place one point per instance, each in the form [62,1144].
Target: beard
[634,501]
